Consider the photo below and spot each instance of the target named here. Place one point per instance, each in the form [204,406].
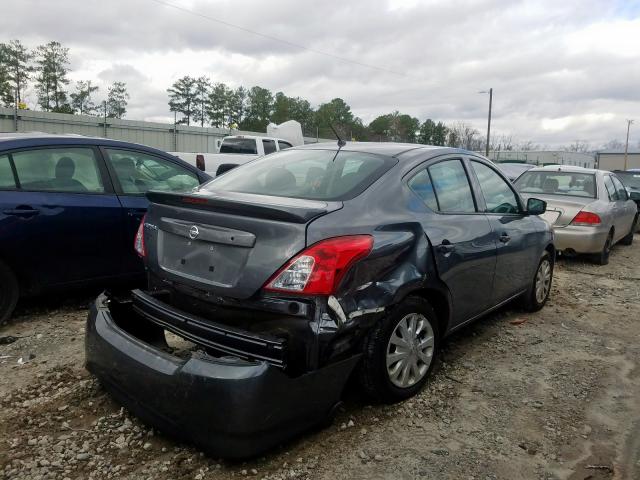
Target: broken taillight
[319,269]
[138,241]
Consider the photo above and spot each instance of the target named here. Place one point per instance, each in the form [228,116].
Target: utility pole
[489,123]
[15,111]
[175,130]
[626,145]
[104,125]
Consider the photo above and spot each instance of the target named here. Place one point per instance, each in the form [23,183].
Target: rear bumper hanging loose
[228,406]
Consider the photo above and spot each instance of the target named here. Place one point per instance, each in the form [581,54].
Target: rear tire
[602,258]
[628,240]
[399,351]
[9,292]
[538,292]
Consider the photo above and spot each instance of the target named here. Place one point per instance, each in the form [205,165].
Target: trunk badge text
[193,232]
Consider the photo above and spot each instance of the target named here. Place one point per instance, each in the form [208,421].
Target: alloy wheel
[543,280]
[410,350]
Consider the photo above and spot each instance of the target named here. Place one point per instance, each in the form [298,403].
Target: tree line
[46,68]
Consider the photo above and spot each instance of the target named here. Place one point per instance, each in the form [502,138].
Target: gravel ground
[548,395]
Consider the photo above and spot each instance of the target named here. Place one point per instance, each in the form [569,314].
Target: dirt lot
[549,395]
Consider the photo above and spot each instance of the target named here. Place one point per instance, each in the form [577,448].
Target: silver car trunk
[229,244]
[561,209]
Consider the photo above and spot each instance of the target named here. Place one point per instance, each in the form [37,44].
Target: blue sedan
[70,207]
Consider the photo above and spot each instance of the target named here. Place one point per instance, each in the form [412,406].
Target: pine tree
[117,100]
[81,101]
[52,61]
[182,98]
[201,97]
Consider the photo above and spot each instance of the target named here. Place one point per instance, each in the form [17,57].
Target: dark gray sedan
[295,271]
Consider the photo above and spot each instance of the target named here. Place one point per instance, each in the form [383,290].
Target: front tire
[9,292]
[399,351]
[538,292]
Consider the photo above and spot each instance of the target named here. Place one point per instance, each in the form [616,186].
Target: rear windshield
[239,145]
[558,183]
[629,179]
[305,174]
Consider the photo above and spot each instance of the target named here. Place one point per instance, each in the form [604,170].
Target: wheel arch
[440,301]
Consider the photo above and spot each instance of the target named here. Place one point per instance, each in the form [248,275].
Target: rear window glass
[558,183]
[239,145]
[306,174]
[6,174]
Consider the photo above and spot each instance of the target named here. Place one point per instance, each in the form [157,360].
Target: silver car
[589,210]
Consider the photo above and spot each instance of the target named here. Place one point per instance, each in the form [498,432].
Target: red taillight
[586,218]
[138,242]
[200,162]
[319,269]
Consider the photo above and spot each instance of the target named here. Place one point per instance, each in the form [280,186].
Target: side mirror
[535,206]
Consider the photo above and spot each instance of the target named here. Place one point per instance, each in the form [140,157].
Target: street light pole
[626,145]
[489,123]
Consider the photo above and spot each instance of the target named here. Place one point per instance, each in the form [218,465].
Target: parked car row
[70,207]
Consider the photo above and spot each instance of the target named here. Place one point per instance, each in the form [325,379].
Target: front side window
[451,186]
[622,192]
[554,182]
[7,182]
[139,172]
[68,169]
[498,196]
[305,174]
[269,146]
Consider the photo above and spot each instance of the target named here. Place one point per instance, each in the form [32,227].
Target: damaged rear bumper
[228,406]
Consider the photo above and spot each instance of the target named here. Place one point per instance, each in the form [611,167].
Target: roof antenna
[341,142]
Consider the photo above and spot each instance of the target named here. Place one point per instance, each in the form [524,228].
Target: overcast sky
[561,70]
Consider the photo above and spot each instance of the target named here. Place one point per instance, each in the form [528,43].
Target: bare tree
[614,144]
[581,146]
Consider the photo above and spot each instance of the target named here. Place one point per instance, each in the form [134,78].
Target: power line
[276,39]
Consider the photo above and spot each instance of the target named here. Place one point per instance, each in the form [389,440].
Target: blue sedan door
[134,173]
[461,237]
[61,222]
[516,237]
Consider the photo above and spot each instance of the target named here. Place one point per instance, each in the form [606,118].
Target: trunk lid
[228,244]
[561,209]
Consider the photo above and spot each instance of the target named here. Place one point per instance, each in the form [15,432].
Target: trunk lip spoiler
[291,210]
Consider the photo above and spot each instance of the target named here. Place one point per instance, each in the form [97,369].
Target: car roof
[13,140]
[391,149]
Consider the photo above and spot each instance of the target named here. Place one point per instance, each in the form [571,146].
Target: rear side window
[622,192]
[7,182]
[306,174]
[611,189]
[451,186]
[239,145]
[283,145]
[72,170]
[422,186]
[498,196]
[269,146]
[139,172]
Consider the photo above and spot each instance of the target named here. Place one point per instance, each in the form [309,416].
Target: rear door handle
[21,212]
[504,238]
[446,246]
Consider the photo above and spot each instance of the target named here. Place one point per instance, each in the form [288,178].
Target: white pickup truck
[235,150]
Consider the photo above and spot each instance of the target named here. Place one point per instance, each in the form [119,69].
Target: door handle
[21,212]
[504,238]
[446,246]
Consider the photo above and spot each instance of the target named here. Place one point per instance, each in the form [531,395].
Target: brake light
[586,219]
[138,242]
[200,162]
[319,269]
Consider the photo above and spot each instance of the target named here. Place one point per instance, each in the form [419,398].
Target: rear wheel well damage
[439,301]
